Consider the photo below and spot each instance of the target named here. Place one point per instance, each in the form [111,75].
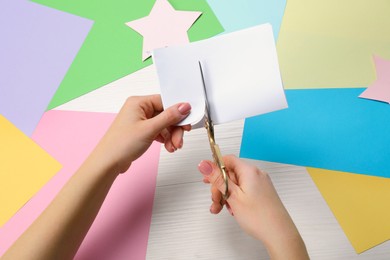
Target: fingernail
[172,148]
[184,108]
[205,168]
[181,144]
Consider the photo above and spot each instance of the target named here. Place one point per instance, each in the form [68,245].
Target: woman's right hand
[256,206]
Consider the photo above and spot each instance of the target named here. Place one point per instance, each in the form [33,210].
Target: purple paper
[37,47]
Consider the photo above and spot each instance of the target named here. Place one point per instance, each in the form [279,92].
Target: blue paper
[323,128]
[240,14]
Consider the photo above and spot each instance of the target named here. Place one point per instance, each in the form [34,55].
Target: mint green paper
[113,50]
[240,14]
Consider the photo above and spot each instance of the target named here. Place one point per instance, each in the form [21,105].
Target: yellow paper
[24,169]
[329,44]
[360,203]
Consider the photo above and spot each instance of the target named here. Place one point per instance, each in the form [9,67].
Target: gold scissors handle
[217,156]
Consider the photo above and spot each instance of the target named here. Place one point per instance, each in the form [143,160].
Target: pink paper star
[380,89]
[164,26]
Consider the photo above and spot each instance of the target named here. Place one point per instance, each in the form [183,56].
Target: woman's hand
[256,206]
[58,232]
[140,122]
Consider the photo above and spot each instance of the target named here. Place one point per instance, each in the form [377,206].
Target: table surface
[182,226]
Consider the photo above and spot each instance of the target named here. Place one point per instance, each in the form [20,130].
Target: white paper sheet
[241,73]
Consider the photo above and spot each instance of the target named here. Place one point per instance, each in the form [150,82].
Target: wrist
[287,244]
[103,162]
[280,236]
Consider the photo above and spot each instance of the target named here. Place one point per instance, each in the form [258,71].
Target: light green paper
[112,50]
[329,44]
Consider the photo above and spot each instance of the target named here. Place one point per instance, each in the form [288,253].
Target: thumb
[171,116]
[213,174]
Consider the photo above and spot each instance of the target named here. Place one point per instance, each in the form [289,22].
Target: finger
[206,169]
[156,102]
[186,128]
[239,167]
[177,137]
[170,117]
[151,105]
[213,174]
[166,135]
[229,209]
[160,139]
[232,175]
[233,163]
[215,208]
[216,197]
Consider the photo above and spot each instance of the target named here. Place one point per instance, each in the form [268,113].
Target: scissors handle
[218,160]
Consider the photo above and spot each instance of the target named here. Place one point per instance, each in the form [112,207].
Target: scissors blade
[214,147]
[205,93]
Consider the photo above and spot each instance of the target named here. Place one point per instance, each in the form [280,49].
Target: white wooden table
[182,226]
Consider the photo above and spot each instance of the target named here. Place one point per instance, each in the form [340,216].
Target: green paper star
[112,50]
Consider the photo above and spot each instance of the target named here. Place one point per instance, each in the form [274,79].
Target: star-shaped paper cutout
[380,89]
[112,50]
[164,26]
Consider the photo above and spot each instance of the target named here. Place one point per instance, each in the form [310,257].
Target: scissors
[208,124]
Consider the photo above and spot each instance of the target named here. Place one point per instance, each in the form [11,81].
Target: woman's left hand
[141,121]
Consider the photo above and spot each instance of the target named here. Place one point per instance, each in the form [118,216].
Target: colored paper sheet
[163,27]
[241,75]
[24,169]
[359,203]
[323,128]
[380,88]
[329,44]
[236,15]
[121,228]
[37,47]
[113,50]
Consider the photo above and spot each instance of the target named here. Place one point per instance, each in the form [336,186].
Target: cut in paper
[241,75]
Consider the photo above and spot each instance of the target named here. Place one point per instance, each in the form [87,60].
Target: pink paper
[380,89]
[121,229]
[163,27]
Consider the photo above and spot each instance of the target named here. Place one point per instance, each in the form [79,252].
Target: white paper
[241,73]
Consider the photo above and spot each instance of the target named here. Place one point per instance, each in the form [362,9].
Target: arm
[59,230]
[256,206]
